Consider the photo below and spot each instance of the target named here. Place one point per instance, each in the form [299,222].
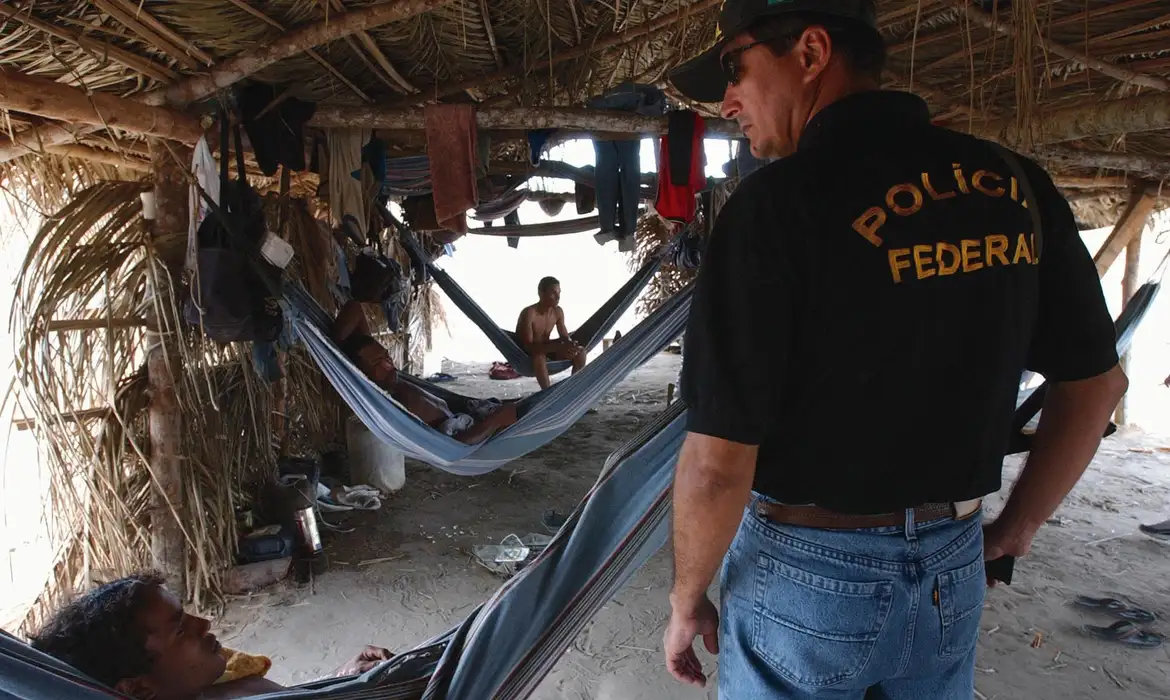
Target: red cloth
[451,146]
[677,202]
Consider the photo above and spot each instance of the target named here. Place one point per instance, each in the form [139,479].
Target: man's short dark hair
[100,634]
[861,46]
[546,283]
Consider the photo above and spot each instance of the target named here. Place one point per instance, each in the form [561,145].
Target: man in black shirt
[861,320]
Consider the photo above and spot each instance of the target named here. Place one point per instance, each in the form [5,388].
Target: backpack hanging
[232,294]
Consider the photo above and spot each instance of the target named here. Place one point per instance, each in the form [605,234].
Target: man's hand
[367,659]
[1002,538]
[686,623]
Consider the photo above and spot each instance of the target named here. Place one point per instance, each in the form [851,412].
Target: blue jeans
[618,173]
[810,613]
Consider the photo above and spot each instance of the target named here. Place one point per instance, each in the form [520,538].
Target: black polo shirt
[865,309]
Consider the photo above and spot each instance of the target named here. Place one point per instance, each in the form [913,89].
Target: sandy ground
[406,572]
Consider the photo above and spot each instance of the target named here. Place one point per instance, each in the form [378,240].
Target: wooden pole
[100,155]
[1133,115]
[1153,167]
[1129,285]
[378,117]
[336,26]
[1137,212]
[47,98]
[168,545]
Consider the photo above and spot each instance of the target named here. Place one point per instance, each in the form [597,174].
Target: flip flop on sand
[1126,633]
[1115,608]
[1159,531]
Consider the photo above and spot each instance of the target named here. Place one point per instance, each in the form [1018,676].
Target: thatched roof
[1035,73]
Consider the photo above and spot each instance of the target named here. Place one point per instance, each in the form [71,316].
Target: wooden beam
[37,140]
[551,228]
[363,37]
[1133,220]
[487,28]
[987,21]
[46,98]
[640,32]
[294,42]
[92,324]
[1136,114]
[97,47]
[1091,183]
[164,416]
[100,155]
[577,119]
[155,33]
[1154,167]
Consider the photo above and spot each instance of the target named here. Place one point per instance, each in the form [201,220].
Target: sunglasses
[729,62]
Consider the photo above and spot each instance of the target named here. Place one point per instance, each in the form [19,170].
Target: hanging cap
[702,79]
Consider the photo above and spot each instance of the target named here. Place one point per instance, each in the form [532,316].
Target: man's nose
[731,106]
[202,625]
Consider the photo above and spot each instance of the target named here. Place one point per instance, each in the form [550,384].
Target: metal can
[308,534]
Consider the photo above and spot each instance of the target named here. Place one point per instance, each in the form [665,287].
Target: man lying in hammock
[134,636]
[351,332]
[534,331]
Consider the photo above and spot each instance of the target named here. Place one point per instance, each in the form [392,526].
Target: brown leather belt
[815,516]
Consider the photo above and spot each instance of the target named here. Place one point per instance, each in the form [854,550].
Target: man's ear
[138,688]
[815,48]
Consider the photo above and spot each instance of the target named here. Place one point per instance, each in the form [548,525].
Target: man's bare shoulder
[528,311]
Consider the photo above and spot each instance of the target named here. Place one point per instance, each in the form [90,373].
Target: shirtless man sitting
[534,330]
[351,332]
[134,636]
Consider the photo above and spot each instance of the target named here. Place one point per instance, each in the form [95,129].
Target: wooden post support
[168,545]
[1137,211]
[1129,285]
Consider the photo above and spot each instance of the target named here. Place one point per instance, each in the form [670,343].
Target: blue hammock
[508,644]
[543,416]
[587,336]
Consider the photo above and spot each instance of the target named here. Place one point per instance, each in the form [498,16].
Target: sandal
[1115,608]
[1126,633]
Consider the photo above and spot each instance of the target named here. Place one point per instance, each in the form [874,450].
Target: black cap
[701,78]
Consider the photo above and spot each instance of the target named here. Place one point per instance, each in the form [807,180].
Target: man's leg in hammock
[484,429]
[540,370]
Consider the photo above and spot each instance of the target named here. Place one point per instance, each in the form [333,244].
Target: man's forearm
[712,484]
[1072,422]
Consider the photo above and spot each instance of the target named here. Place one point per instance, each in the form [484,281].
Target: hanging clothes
[453,151]
[206,173]
[618,173]
[277,135]
[585,197]
[346,195]
[537,138]
[680,167]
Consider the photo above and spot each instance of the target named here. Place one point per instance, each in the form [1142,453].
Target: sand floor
[406,573]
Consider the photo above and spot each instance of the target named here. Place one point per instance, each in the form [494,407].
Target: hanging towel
[345,191]
[682,145]
[451,145]
[206,173]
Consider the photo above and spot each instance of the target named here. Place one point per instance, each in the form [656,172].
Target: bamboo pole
[53,100]
[1133,220]
[1067,182]
[337,26]
[1129,285]
[92,324]
[168,545]
[377,117]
